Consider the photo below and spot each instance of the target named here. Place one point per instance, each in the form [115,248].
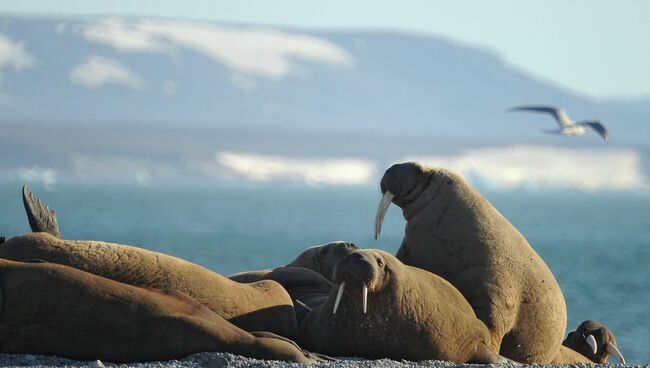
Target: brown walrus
[385,309]
[260,306]
[308,277]
[319,258]
[454,232]
[594,341]
[59,310]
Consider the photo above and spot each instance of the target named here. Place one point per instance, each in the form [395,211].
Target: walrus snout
[356,269]
[359,271]
[399,185]
[594,341]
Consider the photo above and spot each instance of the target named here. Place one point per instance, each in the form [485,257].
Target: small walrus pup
[385,309]
[54,309]
[260,306]
[452,231]
[594,341]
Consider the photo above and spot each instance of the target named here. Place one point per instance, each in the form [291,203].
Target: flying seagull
[567,126]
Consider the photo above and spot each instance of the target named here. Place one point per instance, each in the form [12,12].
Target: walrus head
[401,184]
[359,273]
[594,341]
[323,258]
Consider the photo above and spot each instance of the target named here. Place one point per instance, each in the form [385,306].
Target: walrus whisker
[591,341]
[612,349]
[381,211]
[365,298]
[338,297]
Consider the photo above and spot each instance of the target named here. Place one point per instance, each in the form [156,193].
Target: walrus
[454,232]
[385,309]
[260,306]
[308,289]
[319,258]
[594,341]
[54,309]
[308,277]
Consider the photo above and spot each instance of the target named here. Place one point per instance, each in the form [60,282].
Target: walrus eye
[380,262]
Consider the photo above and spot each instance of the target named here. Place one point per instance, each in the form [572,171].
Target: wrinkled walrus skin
[261,306]
[53,309]
[411,314]
[454,232]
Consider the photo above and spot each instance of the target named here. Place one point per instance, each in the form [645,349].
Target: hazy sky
[596,47]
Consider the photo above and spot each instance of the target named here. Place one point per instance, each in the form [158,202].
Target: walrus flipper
[41,218]
[316,356]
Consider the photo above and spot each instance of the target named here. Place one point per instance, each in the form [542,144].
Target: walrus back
[97,318]
[264,305]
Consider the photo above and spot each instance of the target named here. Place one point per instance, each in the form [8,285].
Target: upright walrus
[59,310]
[385,309]
[260,306]
[454,232]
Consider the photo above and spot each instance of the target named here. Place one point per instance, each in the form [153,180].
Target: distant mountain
[195,74]
[146,101]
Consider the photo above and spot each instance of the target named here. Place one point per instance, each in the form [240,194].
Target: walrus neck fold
[429,193]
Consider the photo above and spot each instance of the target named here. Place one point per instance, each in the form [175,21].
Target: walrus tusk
[612,349]
[365,299]
[338,297]
[381,211]
[591,341]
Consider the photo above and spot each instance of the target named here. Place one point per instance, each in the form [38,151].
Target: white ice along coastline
[544,167]
[320,171]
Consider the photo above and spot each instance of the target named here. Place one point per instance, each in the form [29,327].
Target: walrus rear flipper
[41,218]
[485,356]
[309,354]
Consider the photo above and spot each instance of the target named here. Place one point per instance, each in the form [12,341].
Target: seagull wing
[560,116]
[598,127]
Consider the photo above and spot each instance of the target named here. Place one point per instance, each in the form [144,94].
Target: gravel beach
[219,360]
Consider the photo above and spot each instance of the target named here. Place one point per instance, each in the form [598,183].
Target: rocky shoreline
[222,360]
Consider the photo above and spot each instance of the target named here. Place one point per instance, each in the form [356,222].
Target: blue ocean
[597,244]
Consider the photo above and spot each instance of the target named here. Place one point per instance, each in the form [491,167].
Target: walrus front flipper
[41,217]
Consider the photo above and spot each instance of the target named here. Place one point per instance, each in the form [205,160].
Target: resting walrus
[308,277]
[454,232]
[594,341]
[59,310]
[385,309]
[319,258]
[261,306]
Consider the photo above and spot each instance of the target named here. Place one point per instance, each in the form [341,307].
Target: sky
[593,47]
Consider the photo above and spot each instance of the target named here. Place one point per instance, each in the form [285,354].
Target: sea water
[597,244]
